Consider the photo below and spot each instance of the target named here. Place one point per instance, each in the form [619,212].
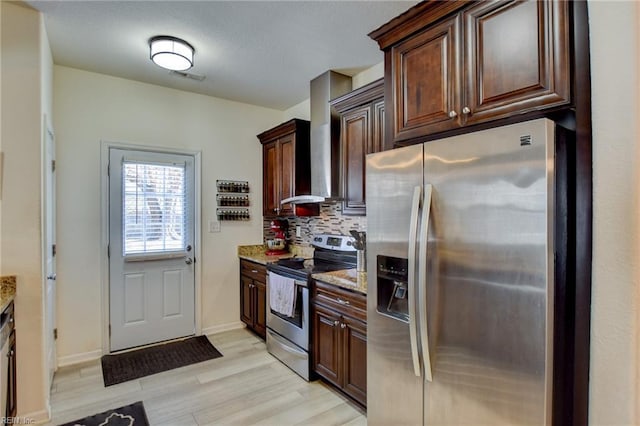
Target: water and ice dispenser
[393,292]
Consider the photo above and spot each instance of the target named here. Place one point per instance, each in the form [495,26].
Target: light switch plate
[214,226]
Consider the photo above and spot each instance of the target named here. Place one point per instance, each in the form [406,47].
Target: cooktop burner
[302,268]
[332,253]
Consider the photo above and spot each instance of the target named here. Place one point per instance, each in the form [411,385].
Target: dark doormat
[129,415]
[155,359]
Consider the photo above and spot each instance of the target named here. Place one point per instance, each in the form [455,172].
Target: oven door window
[298,310]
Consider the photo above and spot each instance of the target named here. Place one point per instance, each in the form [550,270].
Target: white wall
[615,72]
[92,107]
[303,109]
[26,69]
[369,75]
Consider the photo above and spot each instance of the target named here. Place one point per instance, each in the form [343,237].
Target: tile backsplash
[330,221]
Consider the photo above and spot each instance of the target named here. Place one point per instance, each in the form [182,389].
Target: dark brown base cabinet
[12,381]
[253,296]
[340,339]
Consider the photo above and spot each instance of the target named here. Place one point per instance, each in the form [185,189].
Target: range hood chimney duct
[325,133]
[325,138]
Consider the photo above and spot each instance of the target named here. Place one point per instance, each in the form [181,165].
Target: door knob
[189,247]
[51,277]
[188,261]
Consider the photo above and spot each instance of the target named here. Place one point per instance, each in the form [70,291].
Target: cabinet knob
[466,110]
[453,114]
[342,302]
[254,271]
[336,322]
[343,325]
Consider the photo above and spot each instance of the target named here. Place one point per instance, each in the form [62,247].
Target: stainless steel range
[288,335]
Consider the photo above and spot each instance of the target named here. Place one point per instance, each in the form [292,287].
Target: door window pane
[154,216]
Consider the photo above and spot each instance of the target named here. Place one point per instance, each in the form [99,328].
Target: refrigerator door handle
[412,278]
[422,282]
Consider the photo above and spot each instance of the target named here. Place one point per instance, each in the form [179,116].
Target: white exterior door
[151,247]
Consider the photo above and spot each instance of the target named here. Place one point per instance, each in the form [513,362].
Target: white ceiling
[258,52]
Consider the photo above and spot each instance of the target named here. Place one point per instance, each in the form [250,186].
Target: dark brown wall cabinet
[253,296]
[340,339]
[361,133]
[453,64]
[285,166]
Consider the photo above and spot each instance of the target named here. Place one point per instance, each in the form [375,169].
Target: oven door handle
[296,281]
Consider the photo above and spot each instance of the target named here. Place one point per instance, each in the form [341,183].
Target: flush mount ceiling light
[171,53]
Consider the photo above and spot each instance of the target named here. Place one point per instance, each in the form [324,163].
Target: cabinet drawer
[253,270]
[343,301]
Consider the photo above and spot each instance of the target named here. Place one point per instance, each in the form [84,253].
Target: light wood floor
[246,386]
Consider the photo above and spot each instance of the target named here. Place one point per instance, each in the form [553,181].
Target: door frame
[105,146]
[45,168]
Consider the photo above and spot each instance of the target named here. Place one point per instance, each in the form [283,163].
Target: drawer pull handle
[254,271]
[343,302]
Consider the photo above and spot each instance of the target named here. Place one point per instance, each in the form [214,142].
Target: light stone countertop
[349,279]
[7,291]
[256,253]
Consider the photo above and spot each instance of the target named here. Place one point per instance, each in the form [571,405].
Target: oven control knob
[349,243]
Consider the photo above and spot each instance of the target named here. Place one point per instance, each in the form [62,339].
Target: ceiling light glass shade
[171,53]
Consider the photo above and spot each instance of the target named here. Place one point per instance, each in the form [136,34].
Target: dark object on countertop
[155,359]
[132,414]
[361,239]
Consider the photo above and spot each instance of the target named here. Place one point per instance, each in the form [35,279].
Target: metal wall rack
[233,200]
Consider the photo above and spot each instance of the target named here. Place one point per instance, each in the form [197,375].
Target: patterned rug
[155,359]
[130,415]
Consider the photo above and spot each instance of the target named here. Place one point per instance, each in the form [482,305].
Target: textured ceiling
[261,52]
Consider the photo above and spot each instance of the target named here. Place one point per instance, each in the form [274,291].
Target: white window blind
[154,208]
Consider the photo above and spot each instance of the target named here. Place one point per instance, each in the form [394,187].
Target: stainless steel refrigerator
[460,279]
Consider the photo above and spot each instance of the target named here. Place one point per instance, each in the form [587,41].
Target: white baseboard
[37,417]
[223,327]
[64,361]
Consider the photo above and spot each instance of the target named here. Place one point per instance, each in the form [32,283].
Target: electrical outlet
[214,226]
[298,231]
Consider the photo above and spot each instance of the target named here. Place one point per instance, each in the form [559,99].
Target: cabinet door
[246,302]
[288,173]
[270,183]
[260,294]
[354,346]
[426,81]
[356,125]
[376,142]
[516,58]
[326,344]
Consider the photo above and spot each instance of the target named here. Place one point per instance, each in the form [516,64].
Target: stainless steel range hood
[325,138]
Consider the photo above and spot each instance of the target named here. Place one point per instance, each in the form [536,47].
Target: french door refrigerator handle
[413,239]
[422,282]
